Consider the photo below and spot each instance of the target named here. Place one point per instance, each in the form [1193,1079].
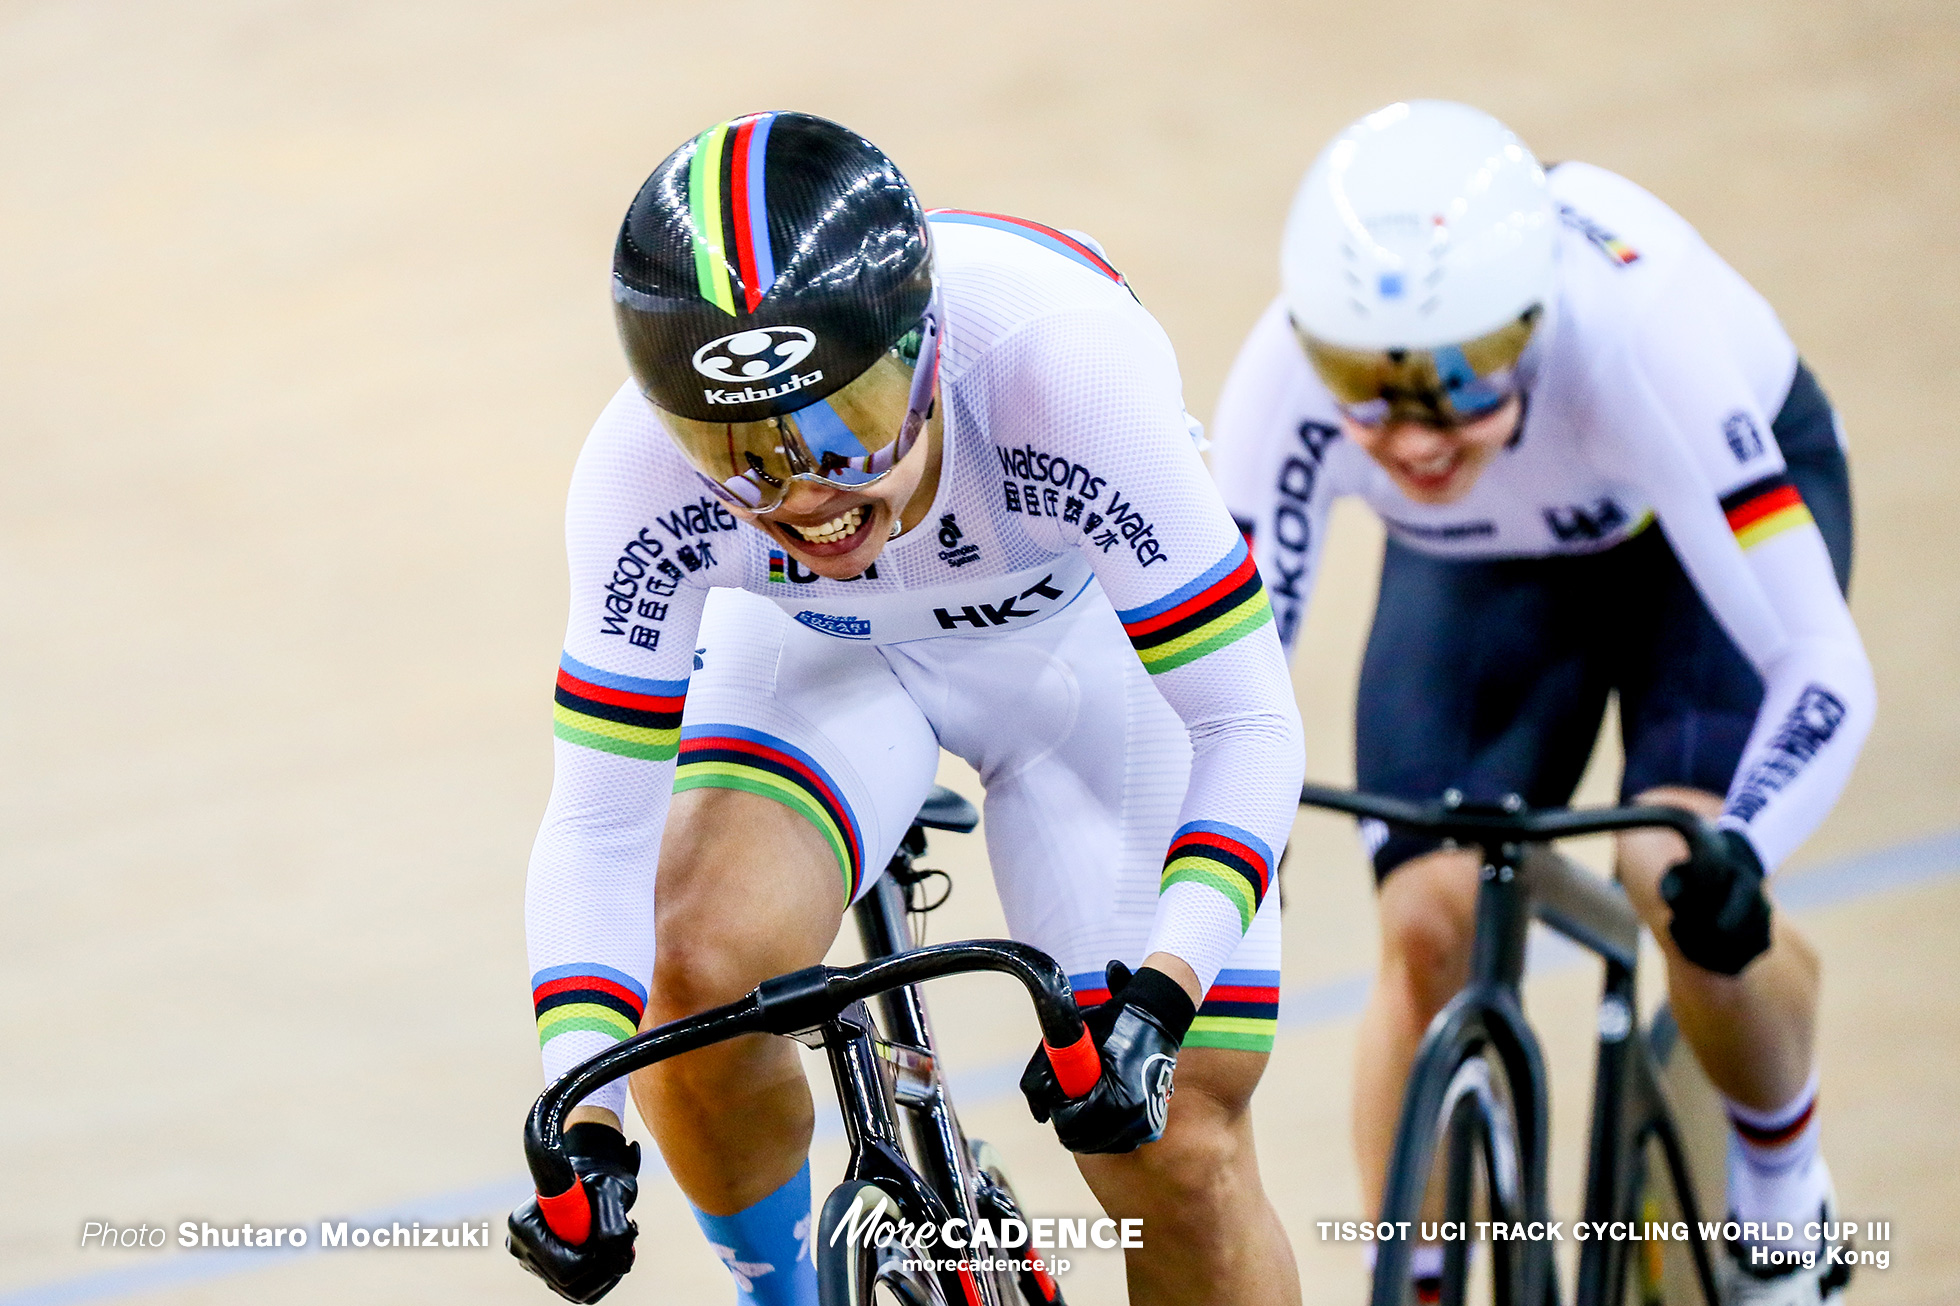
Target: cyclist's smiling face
[838,533]
[1437,464]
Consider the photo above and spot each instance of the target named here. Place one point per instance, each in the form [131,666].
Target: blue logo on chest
[841,627]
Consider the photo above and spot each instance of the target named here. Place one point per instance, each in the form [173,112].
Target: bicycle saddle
[946,810]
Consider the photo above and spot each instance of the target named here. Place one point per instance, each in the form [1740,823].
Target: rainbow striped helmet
[773,289]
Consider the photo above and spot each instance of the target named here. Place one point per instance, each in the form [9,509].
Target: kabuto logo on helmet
[755,354]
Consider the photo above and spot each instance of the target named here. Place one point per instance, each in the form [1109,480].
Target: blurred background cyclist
[1604,472]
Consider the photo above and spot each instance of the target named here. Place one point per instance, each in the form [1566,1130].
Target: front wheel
[1665,1273]
[857,1268]
[1465,1166]
[998,1204]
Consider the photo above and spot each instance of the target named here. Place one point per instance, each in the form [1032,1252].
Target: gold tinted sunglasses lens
[752,461]
[1357,376]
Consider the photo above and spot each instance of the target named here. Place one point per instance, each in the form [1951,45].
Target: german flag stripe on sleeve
[1221,857]
[587,996]
[1764,509]
[617,714]
[733,757]
[1220,607]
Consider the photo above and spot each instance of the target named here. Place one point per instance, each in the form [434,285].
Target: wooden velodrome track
[302,321]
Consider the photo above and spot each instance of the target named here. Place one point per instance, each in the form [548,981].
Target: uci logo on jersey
[755,354]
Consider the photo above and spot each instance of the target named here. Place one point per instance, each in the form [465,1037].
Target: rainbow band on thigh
[1218,608]
[1221,857]
[626,715]
[587,996]
[733,757]
[1240,1011]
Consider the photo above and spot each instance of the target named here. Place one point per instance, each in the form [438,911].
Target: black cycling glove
[1721,916]
[1137,1033]
[608,1168]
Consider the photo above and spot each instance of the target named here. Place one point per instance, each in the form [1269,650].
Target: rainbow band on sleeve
[1221,857]
[617,714]
[1220,607]
[734,757]
[587,996]
[1765,509]
[739,148]
[1047,237]
[1240,1010]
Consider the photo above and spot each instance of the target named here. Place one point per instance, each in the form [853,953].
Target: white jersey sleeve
[644,545]
[1090,394]
[1280,462]
[1687,427]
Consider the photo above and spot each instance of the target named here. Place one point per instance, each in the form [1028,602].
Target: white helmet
[1425,226]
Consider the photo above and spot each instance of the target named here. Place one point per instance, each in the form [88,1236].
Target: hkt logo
[755,354]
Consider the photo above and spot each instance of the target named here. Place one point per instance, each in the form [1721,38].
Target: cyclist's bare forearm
[1175,967]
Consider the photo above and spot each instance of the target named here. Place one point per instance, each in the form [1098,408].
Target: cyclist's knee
[1641,857]
[691,974]
[1428,915]
[1194,1168]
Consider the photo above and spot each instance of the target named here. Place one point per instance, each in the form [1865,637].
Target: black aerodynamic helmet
[774,293]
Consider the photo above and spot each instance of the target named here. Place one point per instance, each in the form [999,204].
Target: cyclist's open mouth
[1431,475]
[839,535]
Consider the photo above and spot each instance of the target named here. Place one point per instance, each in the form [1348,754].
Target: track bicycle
[885,1071]
[1476,1100]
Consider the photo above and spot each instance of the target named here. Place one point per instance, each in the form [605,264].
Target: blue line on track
[1898,867]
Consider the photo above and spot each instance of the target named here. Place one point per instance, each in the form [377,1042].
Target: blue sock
[767,1247]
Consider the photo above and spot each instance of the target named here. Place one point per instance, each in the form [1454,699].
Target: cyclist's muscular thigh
[747,889]
[1209,1232]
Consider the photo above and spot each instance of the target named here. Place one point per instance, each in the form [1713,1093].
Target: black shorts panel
[1492,677]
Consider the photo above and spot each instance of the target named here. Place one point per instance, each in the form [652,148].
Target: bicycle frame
[938,1142]
[875,1075]
[1522,879]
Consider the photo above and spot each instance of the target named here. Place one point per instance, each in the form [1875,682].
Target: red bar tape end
[569,1214]
[1077,1066]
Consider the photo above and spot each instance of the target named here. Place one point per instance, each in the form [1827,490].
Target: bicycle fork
[1487,1016]
[1628,1109]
